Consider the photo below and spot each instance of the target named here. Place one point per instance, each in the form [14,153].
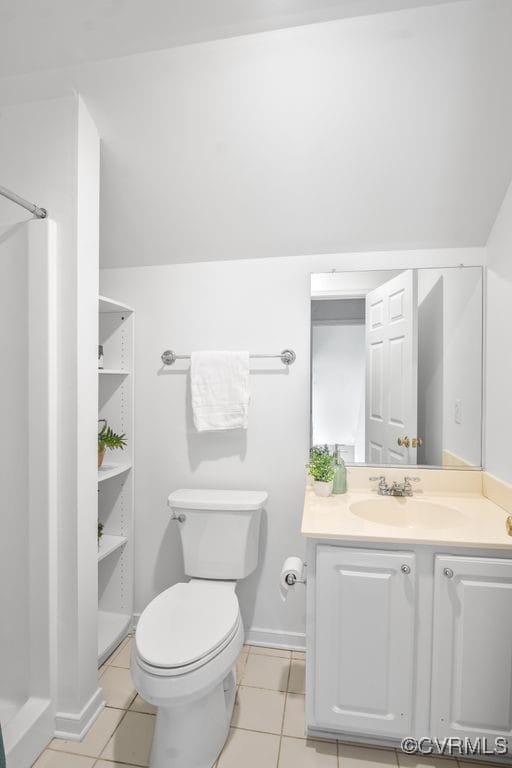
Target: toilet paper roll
[291,573]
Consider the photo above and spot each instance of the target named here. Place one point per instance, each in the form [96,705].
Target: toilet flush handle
[180,518]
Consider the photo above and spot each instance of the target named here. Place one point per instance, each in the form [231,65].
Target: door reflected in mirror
[396,366]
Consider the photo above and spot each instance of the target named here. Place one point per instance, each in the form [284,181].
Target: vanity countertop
[481,523]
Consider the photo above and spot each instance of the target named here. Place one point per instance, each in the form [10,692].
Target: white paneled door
[472,655]
[392,371]
[364,640]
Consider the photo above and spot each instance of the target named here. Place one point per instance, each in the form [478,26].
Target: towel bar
[287,357]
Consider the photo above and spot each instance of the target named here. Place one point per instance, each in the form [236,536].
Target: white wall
[58,172]
[498,351]
[259,305]
[387,131]
[338,386]
[450,328]
[463,342]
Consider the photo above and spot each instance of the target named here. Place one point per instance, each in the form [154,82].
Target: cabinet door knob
[405,568]
[448,573]
[404,442]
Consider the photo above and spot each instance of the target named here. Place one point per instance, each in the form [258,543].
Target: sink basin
[407,512]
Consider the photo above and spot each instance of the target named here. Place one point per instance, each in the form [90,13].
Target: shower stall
[27,493]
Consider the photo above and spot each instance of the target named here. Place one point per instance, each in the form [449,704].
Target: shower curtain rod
[41,213]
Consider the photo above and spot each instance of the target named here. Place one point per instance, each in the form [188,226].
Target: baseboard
[74,726]
[276,638]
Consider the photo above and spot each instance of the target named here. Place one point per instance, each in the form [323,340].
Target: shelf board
[112,372]
[106,471]
[112,628]
[111,305]
[109,544]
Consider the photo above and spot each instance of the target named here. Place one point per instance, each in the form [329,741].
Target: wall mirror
[396,366]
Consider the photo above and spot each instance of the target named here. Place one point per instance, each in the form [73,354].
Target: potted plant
[108,439]
[322,470]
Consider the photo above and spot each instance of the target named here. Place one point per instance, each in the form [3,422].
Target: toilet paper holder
[291,579]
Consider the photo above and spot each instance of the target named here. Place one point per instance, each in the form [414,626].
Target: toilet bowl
[189,637]
[184,660]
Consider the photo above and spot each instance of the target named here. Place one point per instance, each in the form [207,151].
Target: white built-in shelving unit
[115,478]
[110,372]
[109,470]
[109,544]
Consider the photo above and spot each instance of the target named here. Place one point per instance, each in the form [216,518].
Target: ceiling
[382,132]
[47,34]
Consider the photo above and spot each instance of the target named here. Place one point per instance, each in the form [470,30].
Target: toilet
[189,637]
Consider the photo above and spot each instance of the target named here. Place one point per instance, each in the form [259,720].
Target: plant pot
[101,456]
[322,488]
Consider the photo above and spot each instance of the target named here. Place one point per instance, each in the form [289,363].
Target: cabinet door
[364,640]
[472,655]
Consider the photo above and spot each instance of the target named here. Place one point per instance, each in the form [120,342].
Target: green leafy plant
[107,438]
[318,450]
[321,465]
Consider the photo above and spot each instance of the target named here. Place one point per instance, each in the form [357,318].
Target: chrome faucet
[395,489]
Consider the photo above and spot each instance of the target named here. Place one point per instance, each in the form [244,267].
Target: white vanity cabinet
[365,604]
[408,643]
[472,650]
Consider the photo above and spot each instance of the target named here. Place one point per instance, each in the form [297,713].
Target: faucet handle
[382,483]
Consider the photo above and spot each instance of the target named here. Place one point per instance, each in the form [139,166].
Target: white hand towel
[220,390]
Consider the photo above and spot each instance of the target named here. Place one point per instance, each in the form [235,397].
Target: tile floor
[267,727]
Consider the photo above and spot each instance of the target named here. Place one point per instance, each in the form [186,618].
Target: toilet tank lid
[244,501]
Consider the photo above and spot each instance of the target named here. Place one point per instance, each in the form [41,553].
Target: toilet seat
[186,626]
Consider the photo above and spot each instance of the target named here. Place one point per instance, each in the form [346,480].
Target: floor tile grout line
[286,735]
[139,765]
[282,720]
[116,762]
[309,738]
[272,690]
[71,754]
[284,710]
[112,734]
[265,733]
[120,762]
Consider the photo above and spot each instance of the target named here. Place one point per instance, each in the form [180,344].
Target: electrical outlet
[458,411]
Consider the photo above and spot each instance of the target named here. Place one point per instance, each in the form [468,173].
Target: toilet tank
[219,530]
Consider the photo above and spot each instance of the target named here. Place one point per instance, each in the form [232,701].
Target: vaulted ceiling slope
[380,132]
[46,34]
